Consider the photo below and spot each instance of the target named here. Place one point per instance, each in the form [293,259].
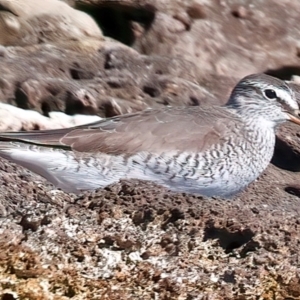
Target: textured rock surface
[28,22]
[97,77]
[135,240]
[139,240]
[229,38]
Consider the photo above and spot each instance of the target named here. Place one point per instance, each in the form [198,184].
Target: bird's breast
[222,170]
[238,161]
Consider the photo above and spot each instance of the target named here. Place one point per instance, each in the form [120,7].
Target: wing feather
[192,128]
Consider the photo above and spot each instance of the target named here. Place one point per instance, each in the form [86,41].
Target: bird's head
[260,96]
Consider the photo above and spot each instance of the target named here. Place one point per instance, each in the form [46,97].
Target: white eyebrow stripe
[287,97]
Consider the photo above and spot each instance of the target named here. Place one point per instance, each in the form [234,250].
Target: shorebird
[212,151]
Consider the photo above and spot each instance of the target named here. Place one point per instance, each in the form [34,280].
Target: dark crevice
[108,64]
[293,190]
[194,101]
[115,19]
[151,91]
[46,109]
[229,277]
[143,217]
[8,296]
[159,72]
[70,293]
[21,98]
[228,240]
[74,74]
[285,157]
[108,110]
[75,105]
[52,103]
[284,73]
[175,215]
[251,246]
[4,8]
[29,224]
[77,72]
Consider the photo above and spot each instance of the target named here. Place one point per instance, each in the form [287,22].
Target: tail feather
[63,168]
[49,138]
[46,137]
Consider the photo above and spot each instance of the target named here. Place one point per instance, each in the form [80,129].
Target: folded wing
[94,155]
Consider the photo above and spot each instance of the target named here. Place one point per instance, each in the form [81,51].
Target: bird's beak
[294,116]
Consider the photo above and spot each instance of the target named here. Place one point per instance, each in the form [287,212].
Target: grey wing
[181,128]
[155,131]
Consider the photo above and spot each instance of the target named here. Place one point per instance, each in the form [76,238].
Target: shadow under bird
[213,151]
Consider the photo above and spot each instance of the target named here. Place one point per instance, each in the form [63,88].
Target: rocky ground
[136,240]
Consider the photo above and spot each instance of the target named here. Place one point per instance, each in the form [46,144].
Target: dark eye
[271,94]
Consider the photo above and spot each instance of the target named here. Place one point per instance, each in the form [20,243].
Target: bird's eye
[270,94]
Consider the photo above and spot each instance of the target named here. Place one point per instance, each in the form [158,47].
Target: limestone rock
[16,119]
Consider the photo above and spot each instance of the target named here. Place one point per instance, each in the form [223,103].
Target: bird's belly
[218,172]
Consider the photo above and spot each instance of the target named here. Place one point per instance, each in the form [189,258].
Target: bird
[213,151]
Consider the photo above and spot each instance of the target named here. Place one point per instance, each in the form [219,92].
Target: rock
[196,10]
[225,37]
[149,242]
[240,12]
[16,119]
[25,22]
[14,31]
[104,78]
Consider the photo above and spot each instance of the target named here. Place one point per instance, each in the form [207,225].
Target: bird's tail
[68,170]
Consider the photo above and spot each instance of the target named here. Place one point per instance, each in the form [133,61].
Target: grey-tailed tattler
[212,151]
